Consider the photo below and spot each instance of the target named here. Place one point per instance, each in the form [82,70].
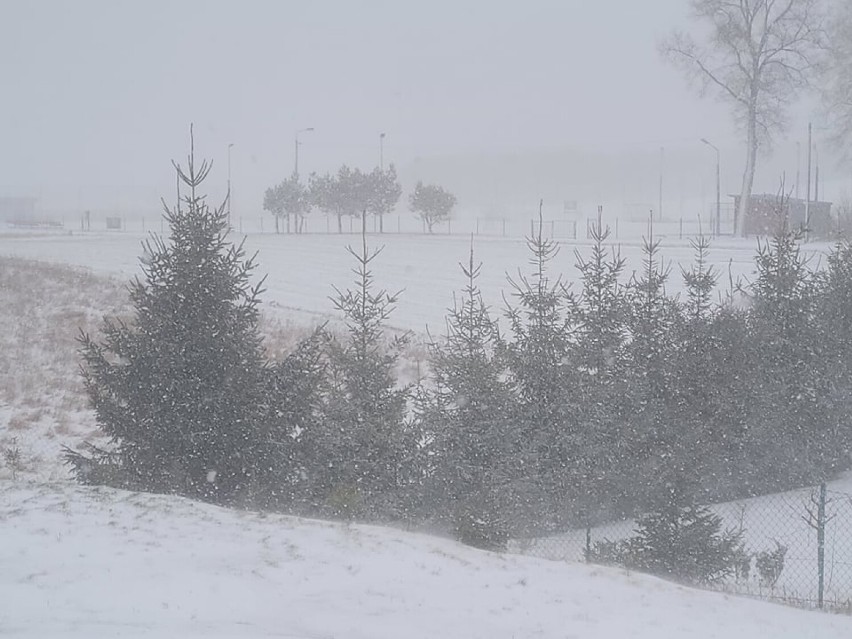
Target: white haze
[570,97]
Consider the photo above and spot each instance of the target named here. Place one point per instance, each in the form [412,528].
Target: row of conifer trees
[591,403]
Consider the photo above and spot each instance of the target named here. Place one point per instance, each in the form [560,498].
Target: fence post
[821,545]
[504,227]
[616,228]
[588,543]
[680,232]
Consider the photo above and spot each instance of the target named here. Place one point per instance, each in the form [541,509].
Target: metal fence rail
[516,227]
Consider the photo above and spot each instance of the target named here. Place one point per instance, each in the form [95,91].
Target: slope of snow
[94,562]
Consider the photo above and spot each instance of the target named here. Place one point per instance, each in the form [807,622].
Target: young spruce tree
[601,340]
[469,419]
[834,328]
[653,436]
[786,436]
[180,389]
[361,451]
[539,355]
[698,385]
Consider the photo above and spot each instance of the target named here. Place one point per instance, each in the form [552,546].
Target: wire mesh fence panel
[491,226]
[795,547]
[782,536]
[558,229]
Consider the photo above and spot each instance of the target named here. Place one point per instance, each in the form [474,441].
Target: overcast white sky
[101,92]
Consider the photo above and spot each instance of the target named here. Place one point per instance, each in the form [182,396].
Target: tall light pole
[380,214]
[296,162]
[230,146]
[808,189]
[718,186]
[662,159]
[798,167]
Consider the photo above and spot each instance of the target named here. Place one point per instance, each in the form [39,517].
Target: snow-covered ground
[302,269]
[765,521]
[96,562]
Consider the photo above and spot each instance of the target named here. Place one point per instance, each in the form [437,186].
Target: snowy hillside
[83,562]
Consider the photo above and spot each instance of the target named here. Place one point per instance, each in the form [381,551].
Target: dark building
[19,211]
[768,214]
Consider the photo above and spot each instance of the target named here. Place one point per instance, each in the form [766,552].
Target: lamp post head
[711,145]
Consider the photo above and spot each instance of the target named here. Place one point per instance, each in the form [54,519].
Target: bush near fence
[798,546]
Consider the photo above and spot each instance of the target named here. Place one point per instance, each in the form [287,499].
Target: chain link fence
[797,546]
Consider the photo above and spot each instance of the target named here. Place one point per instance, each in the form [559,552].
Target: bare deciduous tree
[837,88]
[756,55]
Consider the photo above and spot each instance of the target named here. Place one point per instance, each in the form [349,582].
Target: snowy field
[302,269]
[88,562]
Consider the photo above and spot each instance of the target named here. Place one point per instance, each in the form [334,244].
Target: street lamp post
[718,186]
[662,162]
[230,146]
[382,170]
[296,162]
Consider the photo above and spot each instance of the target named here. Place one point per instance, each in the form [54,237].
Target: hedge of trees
[593,404]
[352,193]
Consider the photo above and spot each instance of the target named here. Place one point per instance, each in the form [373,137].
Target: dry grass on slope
[43,308]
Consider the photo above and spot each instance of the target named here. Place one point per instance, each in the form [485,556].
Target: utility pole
[382,169]
[808,189]
[718,186]
[816,173]
[662,156]
[230,146]
[798,166]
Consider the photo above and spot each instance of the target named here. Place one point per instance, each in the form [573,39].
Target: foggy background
[502,103]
